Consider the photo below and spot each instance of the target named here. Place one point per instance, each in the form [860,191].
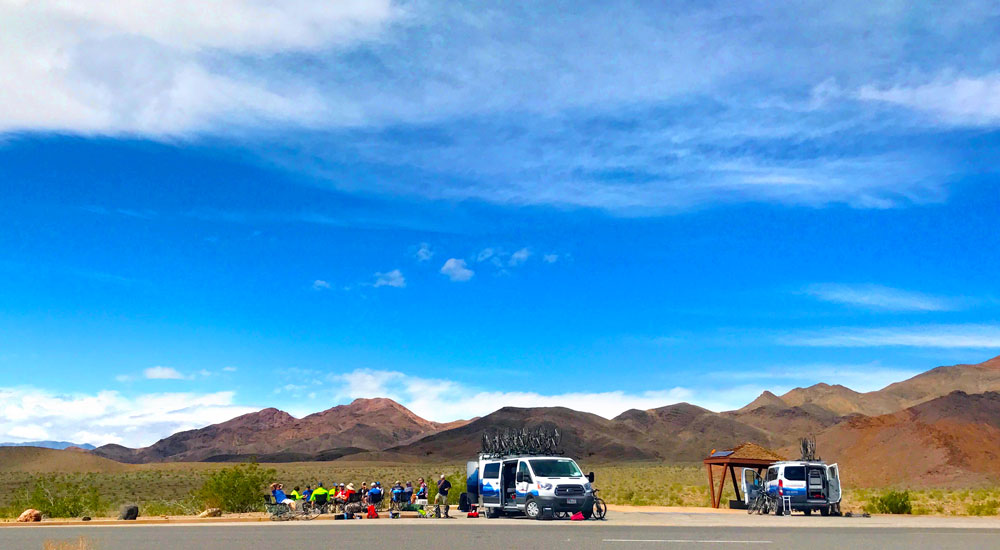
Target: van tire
[532,510]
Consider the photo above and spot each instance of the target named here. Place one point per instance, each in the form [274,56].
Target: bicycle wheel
[600,509]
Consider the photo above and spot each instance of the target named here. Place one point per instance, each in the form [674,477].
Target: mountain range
[51,445]
[939,427]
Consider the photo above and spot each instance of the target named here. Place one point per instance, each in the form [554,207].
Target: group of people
[400,494]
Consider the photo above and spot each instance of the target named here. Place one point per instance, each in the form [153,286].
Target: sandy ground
[617,515]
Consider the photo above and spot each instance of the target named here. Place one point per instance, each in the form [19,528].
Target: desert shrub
[237,489]
[891,502]
[984,508]
[58,498]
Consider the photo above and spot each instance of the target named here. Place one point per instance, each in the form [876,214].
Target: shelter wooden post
[722,487]
[711,483]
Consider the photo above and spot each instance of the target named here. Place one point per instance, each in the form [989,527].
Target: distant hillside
[271,434]
[44,460]
[950,440]
[842,401]
[938,428]
[51,445]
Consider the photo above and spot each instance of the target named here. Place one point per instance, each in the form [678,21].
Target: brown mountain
[932,384]
[686,433]
[950,440]
[584,435]
[276,436]
[676,433]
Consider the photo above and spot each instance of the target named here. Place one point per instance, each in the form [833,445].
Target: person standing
[421,491]
[441,498]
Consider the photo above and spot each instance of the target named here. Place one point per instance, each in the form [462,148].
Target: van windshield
[555,467]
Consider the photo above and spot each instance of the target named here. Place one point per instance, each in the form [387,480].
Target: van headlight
[587,487]
[544,486]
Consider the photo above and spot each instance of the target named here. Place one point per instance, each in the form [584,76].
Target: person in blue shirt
[375,494]
[307,493]
[278,491]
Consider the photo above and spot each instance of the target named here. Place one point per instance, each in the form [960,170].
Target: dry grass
[82,543]
[631,484]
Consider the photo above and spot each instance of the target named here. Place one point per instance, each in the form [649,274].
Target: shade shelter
[747,455]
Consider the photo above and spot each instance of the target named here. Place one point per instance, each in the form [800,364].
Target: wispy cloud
[632,122]
[320,284]
[519,257]
[424,253]
[971,101]
[445,400]
[550,258]
[972,336]
[883,298]
[861,377]
[163,373]
[456,270]
[392,278]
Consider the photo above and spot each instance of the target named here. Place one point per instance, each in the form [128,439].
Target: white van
[810,486]
[537,486]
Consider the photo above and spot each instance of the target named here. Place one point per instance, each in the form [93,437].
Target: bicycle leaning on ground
[284,512]
[599,511]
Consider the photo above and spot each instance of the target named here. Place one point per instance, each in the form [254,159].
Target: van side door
[491,486]
[524,484]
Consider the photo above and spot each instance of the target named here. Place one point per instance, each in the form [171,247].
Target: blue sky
[470,205]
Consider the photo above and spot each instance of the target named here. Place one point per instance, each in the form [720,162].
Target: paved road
[493,535]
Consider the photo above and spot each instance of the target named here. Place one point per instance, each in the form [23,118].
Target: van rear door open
[752,485]
[833,480]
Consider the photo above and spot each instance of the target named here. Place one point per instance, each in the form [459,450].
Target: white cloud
[519,257]
[550,258]
[229,369]
[124,378]
[165,68]
[163,373]
[320,284]
[393,278]
[424,253]
[879,297]
[567,123]
[30,432]
[456,270]
[444,400]
[109,416]
[485,254]
[969,101]
[927,336]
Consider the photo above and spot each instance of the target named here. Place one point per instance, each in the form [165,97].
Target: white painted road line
[691,541]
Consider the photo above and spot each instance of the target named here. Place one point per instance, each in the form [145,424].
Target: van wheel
[532,510]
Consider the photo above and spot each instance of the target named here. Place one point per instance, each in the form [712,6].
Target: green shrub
[236,489]
[56,498]
[985,508]
[892,502]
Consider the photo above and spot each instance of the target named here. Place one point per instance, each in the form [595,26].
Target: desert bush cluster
[186,489]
